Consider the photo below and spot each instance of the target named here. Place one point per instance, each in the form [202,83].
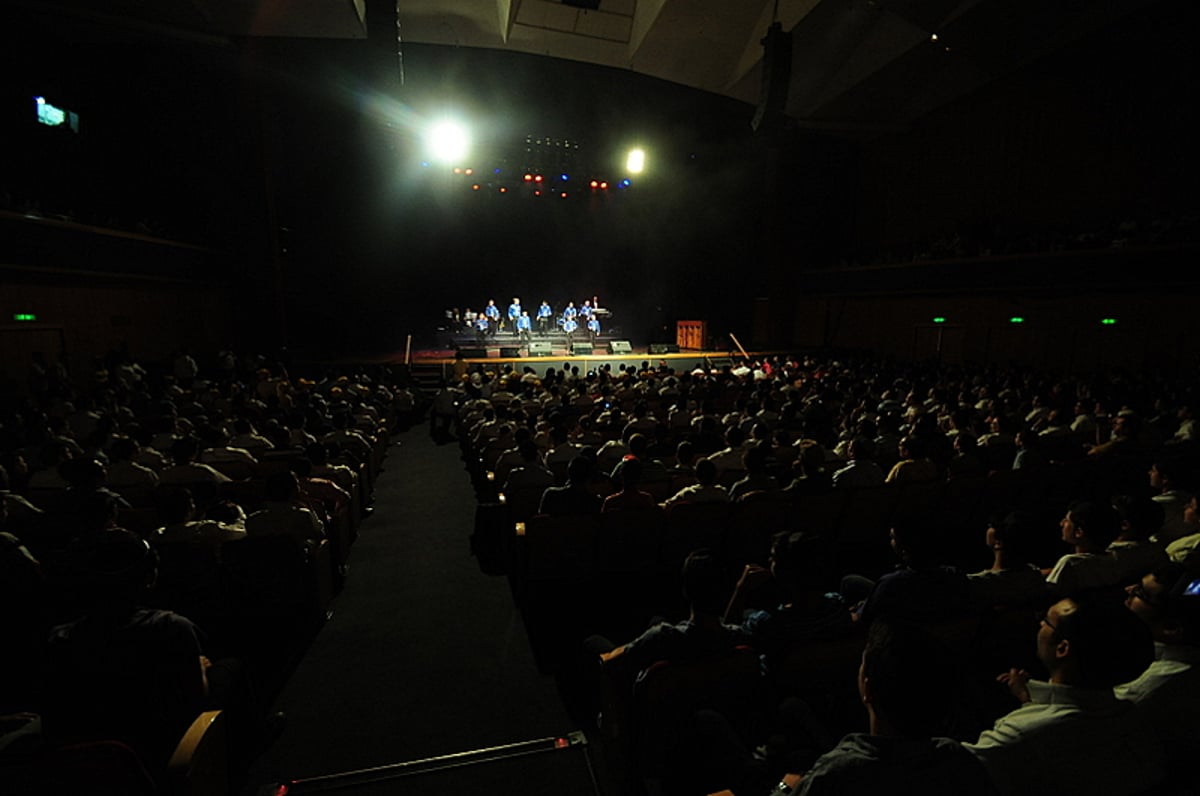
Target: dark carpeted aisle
[424,655]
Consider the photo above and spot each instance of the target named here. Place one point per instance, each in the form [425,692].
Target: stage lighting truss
[531,183]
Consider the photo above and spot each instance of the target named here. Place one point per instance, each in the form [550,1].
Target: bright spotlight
[448,141]
[636,161]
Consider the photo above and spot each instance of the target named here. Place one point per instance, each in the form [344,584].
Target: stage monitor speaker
[664,348]
[540,348]
[510,351]
[581,349]
[619,347]
[473,353]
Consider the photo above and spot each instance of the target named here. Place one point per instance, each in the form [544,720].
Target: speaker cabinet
[510,352]
[540,348]
[581,349]
[473,353]
[619,347]
[664,348]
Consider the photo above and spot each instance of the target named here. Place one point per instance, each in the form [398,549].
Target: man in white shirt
[1071,734]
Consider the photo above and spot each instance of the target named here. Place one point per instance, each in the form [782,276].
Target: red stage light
[538,178]
[457,170]
[537,193]
[470,171]
[503,190]
[595,184]
[604,186]
[528,178]
[475,187]
[563,194]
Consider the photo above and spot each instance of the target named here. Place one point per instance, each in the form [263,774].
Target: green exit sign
[24,316]
[1108,321]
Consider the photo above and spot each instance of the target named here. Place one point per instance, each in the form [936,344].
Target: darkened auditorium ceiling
[855,64]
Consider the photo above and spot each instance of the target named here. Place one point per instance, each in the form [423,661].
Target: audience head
[1160,600]
[579,469]
[685,453]
[913,541]
[706,472]
[185,450]
[631,472]
[705,583]
[1140,517]
[281,486]
[1016,534]
[800,562]
[861,449]
[175,504]
[1092,641]
[638,443]
[1166,472]
[118,566]
[1090,525]
[897,656]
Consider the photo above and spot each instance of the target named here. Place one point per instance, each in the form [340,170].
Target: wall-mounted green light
[1016,319]
[24,316]
[1108,321]
[939,319]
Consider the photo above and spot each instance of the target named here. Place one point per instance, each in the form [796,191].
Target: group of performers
[488,322]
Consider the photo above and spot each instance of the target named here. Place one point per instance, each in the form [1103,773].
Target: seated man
[282,514]
[702,634]
[123,671]
[1012,579]
[757,479]
[900,754]
[706,490]
[1090,528]
[530,473]
[806,610]
[920,590]
[574,497]
[1133,549]
[861,470]
[1071,735]
[1167,694]
[630,497]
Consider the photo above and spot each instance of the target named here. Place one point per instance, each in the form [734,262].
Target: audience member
[1071,734]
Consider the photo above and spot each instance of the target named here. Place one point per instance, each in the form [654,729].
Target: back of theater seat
[753,522]
[559,548]
[200,764]
[664,706]
[629,542]
[692,526]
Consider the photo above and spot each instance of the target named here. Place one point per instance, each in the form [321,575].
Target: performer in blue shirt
[514,312]
[524,327]
[593,326]
[544,314]
[570,312]
[585,311]
[493,315]
[569,326]
[481,326]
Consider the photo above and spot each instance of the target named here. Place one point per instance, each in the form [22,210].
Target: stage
[503,351]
